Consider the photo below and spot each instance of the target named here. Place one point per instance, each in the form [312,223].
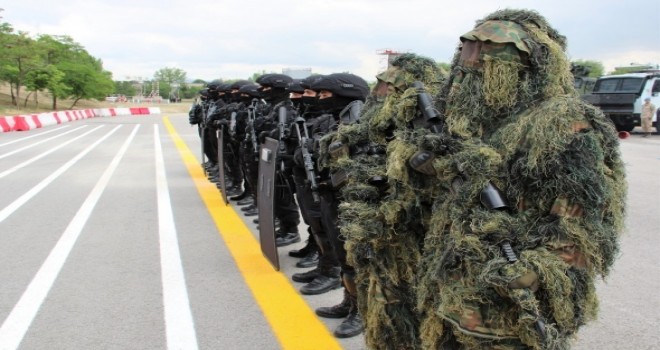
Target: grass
[45,103]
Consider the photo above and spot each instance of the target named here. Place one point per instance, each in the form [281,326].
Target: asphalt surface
[106,244]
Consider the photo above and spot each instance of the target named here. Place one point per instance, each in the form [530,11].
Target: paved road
[111,238]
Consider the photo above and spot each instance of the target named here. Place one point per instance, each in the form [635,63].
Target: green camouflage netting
[557,162]
[383,226]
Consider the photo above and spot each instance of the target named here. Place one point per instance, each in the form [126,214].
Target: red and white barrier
[33,121]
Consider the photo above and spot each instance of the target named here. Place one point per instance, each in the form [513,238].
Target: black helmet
[224,87]
[214,85]
[344,85]
[238,84]
[280,81]
[250,89]
[295,86]
[307,82]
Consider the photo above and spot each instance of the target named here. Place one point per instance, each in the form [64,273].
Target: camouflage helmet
[407,68]
[501,32]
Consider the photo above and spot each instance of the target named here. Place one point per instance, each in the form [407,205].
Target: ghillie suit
[381,217]
[511,107]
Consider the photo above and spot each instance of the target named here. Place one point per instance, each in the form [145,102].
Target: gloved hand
[221,122]
[262,136]
[298,158]
[422,161]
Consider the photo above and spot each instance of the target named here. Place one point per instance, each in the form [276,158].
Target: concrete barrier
[34,121]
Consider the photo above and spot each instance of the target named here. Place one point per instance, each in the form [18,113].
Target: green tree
[57,51]
[168,77]
[20,55]
[47,78]
[125,88]
[86,78]
[594,69]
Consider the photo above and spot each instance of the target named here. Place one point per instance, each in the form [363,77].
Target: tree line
[56,64]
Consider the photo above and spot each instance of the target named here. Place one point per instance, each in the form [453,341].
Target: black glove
[262,136]
[221,122]
[298,158]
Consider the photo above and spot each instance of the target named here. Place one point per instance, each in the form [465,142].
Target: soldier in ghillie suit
[535,199]
[380,218]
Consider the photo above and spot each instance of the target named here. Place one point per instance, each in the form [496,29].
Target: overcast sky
[233,39]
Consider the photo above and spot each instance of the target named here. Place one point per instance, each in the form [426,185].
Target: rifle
[253,135]
[492,198]
[425,105]
[307,158]
[202,126]
[281,125]
[232,124]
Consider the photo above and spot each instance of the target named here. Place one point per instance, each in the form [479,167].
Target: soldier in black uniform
[226,121]
[209,130]
[343,96]
[250,100]
[273,91]
[305,99]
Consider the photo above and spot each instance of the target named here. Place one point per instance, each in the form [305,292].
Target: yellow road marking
[293,322]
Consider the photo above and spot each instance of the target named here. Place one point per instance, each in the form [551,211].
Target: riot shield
[221,164]
[202,139]
[266,200]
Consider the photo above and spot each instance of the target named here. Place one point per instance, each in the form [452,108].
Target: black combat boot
[340,310]
[327,280]
[311,246]
[286,237]
[245,201]
[312,259]
[240,196]
[353,324]
[249,207]
[307,276]
[251,212]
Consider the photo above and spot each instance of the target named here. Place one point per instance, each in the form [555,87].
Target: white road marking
[15,205]
[19,320]
[179,324]
[34,135]
[34,159]
[39,142]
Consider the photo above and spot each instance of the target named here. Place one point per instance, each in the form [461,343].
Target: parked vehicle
[621,96]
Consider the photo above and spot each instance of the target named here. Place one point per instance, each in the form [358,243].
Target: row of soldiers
[469,209]
[298,114]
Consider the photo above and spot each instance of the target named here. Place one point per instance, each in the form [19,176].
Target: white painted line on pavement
[11,208]
[39,142]
[34,159]
[179,324]
[17,323]
[35,135]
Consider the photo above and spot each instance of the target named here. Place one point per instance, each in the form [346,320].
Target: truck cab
[620,97]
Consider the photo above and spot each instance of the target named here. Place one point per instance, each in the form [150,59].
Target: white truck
[621,96]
